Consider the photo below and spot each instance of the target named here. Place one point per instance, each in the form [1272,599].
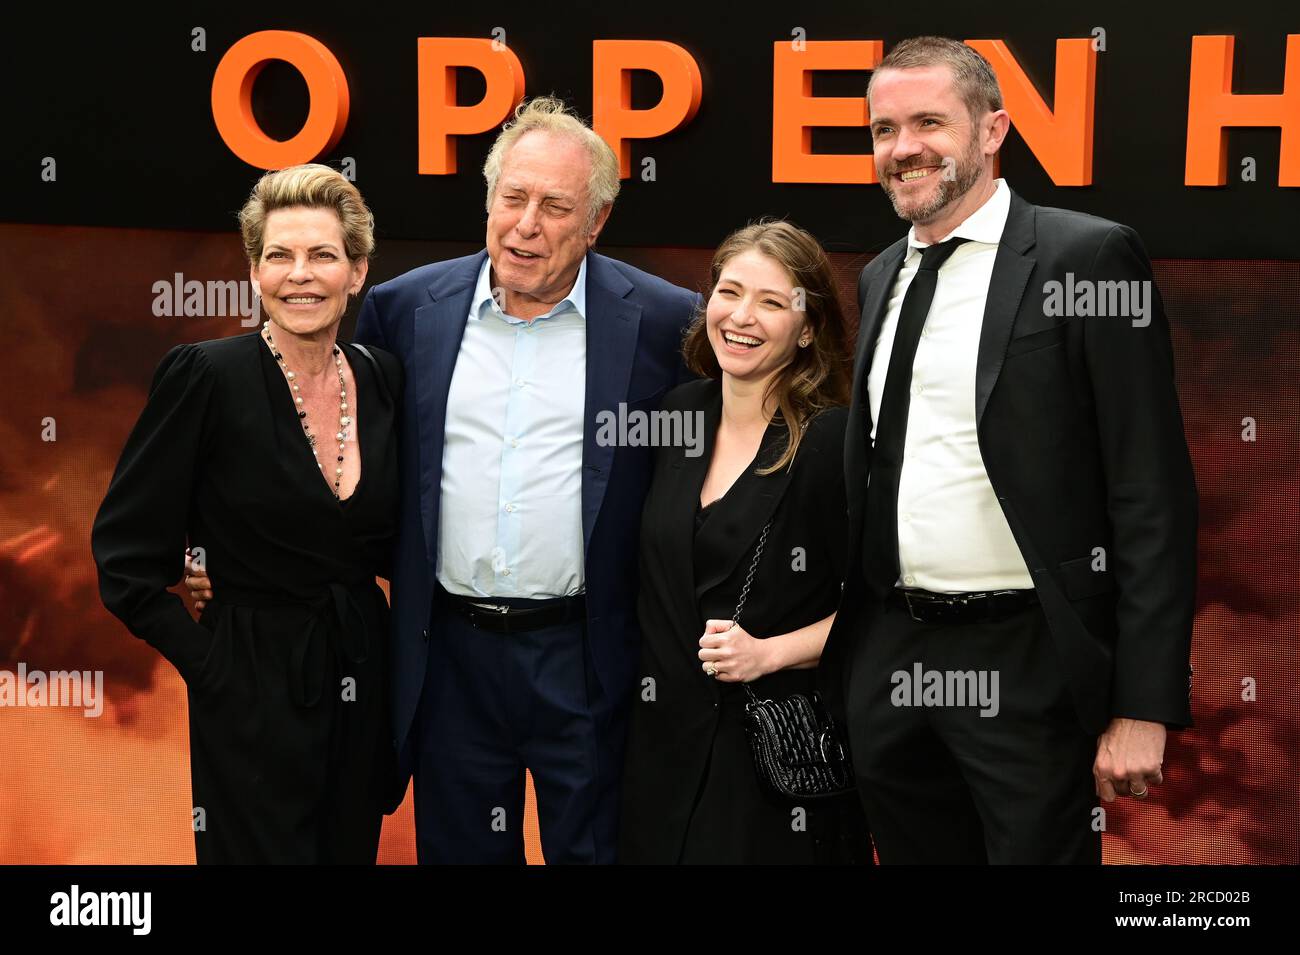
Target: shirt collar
[985,224]
[575,300]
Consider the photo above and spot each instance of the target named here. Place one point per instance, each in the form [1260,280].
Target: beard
[966,173]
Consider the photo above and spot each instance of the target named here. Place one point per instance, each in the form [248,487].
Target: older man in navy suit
[514,586]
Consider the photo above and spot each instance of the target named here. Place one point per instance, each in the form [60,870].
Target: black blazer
[1082,438]
[687,579]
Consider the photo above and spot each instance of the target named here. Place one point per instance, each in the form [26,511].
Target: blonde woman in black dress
[275,453]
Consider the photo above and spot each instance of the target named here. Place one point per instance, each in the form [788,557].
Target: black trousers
[943,784]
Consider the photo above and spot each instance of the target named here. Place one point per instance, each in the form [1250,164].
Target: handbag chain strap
[744,590]
[749,578]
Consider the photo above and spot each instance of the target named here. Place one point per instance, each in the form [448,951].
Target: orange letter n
[1060,140]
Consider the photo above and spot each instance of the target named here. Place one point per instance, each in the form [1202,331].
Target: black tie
[880,533]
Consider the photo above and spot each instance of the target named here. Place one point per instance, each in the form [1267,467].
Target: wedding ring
[710,669]
[1139,795]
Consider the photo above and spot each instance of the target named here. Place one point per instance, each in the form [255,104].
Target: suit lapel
[612,326]
[873,308]
[439,327]
[682,480]
[858,438]
[1011,271]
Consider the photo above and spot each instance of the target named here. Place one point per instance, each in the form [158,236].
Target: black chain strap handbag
[797,750]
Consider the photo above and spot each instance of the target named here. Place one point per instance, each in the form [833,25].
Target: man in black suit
[1018,613]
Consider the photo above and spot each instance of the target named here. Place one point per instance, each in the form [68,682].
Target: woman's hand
[200,587]
[735,655]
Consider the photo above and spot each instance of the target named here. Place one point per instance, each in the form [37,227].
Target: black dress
[690,790]
[291,755]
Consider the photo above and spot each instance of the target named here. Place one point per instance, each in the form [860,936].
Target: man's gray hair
[550,114]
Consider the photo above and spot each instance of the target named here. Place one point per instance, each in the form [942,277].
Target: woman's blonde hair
[818,376]
[549,114]
[313,186]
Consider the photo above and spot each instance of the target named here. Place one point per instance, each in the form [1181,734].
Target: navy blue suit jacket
[635,324]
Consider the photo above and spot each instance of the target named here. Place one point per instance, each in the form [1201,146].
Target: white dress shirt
[952,534]
[511,514]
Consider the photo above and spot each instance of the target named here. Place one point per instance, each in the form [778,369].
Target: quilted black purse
[797,751]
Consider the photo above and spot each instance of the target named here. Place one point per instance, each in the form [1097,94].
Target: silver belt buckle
[907,598]
[498,608]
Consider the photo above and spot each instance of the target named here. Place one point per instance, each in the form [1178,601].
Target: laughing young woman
[772,345]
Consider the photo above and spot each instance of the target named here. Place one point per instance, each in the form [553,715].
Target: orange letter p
[441,120]
[613,117]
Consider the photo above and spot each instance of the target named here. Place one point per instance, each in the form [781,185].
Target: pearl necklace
[344,419]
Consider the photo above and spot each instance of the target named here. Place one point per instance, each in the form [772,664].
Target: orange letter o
[232,98]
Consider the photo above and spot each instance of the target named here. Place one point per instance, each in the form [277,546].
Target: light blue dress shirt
[511,514]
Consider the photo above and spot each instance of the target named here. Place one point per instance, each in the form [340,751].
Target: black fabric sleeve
[830,505]
[392,378]
[393,375]
[139,535]
[1151,493]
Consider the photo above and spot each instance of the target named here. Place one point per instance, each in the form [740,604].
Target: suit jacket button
[425,635]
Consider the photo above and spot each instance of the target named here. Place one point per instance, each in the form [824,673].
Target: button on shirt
[511,513]
[952,534]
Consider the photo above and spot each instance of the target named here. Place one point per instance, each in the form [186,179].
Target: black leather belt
[981,607]
[515,615]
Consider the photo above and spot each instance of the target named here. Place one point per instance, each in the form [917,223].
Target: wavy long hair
[817,377]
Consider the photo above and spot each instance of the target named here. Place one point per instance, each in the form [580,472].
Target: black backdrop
[122,103]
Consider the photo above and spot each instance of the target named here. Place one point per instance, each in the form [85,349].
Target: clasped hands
[730,654]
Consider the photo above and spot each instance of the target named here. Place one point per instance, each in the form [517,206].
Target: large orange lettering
[232,98]
[1212,107]
[795,111]
[1060,140]
[613,117]
[441,120]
